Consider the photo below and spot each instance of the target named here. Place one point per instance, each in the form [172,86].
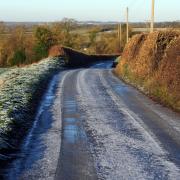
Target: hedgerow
[20,92]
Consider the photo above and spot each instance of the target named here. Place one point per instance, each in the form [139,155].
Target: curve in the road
[93,126]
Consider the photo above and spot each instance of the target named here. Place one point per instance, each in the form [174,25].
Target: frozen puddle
[72,132]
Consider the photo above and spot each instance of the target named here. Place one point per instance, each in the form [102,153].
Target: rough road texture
[109,131]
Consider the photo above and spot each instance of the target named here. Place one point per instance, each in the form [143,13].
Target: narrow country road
[91,125]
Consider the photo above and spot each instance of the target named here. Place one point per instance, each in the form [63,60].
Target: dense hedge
[20,92]
[152,63]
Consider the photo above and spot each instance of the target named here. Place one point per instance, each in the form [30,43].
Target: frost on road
[105,130]
[121,144]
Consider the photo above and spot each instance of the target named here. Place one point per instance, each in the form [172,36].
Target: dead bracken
[152,63]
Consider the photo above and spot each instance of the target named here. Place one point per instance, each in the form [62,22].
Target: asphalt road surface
[90,125]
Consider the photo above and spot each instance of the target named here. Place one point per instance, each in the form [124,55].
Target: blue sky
[103,10]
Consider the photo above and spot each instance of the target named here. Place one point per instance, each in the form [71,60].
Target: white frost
[122,148]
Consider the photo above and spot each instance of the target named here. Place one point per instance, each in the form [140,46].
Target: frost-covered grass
[20,90]
[2,70]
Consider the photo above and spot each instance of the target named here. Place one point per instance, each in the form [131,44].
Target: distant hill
[173,24]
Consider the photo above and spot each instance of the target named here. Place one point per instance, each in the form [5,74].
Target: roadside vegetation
[25,43]
[21,45]
[20,92]
[151,62]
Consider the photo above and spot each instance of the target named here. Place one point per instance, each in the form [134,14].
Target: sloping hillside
[20,92]
[151,62]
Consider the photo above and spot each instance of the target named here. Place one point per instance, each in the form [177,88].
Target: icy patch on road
[121,147]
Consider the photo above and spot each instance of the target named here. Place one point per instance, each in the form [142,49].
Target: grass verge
[20,92]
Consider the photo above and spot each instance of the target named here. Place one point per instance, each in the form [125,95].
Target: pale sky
[97,10]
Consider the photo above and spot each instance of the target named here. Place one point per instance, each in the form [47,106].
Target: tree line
[19,46]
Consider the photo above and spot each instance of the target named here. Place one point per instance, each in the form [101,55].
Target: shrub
[18,58]
[44,39]
[153,61]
